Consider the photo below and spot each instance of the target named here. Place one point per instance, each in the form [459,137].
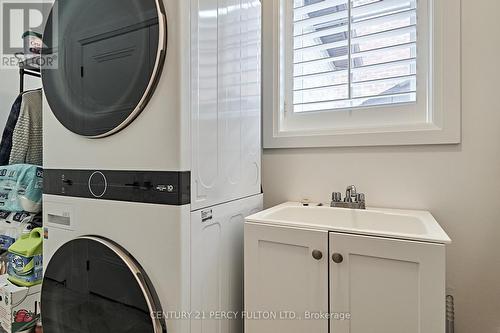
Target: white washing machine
[140,268]
[151,162]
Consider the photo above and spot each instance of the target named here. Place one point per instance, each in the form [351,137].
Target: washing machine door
[92,285]
[103,60]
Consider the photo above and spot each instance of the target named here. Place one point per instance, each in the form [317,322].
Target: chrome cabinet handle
[337,258]
[317,254]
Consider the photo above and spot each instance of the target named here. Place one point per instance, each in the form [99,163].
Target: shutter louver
[353,53]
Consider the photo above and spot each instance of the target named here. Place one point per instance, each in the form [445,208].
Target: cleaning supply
[21,187]
[32,43]
[12,226]
[25,259]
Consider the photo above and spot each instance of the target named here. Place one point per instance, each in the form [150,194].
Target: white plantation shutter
[353,53]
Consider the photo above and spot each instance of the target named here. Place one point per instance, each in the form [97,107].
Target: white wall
[459,184]
[9,89]
[8,93]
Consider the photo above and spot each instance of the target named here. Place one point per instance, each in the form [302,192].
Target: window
[361,72]
[351,56]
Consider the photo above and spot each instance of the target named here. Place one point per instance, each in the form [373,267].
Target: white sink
[394,223]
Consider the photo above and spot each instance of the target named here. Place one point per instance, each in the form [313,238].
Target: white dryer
[151,162]
[156,85]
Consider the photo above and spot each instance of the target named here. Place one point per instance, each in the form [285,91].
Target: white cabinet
[386,285]
[283,278]
[225,101]
[216,266]
[365,284]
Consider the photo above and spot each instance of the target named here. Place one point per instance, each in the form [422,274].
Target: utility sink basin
[393,223]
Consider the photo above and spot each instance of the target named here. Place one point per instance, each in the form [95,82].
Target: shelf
[28,67]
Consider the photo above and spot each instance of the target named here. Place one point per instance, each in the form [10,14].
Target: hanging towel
[6,145]
[27,137]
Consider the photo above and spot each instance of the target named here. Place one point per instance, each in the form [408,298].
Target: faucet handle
[337,197]
[360,197]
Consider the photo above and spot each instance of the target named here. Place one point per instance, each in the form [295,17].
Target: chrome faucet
[352,200]
[350,193]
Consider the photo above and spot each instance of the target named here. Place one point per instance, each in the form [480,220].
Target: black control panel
[156,187]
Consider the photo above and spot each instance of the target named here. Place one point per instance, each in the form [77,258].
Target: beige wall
[459,184]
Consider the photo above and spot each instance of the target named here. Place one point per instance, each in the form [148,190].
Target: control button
[98,184]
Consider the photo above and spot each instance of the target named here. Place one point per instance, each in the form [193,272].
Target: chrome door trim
[140,276]
[154,79]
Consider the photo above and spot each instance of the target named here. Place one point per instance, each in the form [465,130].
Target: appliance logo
[206,215]
[165,188]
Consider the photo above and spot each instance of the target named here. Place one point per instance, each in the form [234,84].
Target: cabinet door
[226,101]
[217,264]
[386,285]
[285,276]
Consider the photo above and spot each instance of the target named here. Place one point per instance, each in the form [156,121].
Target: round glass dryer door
[92,285]
[106,60]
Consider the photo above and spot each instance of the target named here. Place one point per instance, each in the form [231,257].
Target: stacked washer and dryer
[152,160]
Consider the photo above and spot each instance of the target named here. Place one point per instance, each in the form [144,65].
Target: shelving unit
[26,67]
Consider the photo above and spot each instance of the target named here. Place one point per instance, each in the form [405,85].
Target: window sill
[403,136]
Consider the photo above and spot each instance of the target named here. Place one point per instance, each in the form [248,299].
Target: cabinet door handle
[337,258]
[317,254]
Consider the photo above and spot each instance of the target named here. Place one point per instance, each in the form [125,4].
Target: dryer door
[92,285]
[104,59]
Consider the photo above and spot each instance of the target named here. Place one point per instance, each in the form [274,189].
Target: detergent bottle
[25,259]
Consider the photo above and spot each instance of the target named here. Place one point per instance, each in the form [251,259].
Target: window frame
[434,119]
